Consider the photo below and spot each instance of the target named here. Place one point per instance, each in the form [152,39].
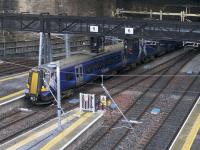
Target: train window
[109,62]
[77,72]
[89,69]
[29,78]
[69,76]
[46,76]
[81,71]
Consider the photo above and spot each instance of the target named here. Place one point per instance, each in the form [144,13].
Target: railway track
[22,66]
[42,115]
[15,117]
[150,122]
[175,118]
[28,120]
[117,139]
[139,74]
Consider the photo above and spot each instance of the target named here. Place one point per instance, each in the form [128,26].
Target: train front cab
[37,92]
[34,85]
[131,51]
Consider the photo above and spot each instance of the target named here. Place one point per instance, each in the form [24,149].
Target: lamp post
[58,95]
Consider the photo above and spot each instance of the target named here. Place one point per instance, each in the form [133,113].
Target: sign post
[40,49]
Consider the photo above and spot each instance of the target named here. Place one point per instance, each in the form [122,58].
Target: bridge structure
[120,27]
[99,27]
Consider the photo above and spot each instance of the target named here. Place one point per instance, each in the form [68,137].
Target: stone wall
[69,7]
[141,5]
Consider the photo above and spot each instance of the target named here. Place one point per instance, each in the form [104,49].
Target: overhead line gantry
[120,27]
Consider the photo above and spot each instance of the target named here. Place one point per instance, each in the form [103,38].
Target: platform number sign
[129,31]
[94,29]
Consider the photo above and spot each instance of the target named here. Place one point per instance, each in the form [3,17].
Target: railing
[31,48]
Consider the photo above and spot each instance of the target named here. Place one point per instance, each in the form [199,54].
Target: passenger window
[81,71]
[69,76]
[77,72]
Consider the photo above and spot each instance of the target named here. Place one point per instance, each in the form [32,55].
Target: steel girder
[148,29]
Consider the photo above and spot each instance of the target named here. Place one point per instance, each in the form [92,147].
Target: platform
[192,66]
[189,135]
[77,127]
[12,87]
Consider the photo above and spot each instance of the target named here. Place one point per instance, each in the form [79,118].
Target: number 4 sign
[94,29]
[129,31]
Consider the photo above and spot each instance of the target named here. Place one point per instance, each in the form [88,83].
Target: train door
[124,53]
[79,74]
[142,49]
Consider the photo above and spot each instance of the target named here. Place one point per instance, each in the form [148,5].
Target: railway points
[77,126]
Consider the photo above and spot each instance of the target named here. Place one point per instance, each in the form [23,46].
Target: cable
[116,75]
[156,89]
[179,91]
[134,75]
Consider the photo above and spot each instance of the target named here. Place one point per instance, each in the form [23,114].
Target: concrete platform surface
[165,58]
[192,66]
[12,87]
[47,136]
[189,135]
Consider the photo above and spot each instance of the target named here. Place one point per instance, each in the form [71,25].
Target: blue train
[82,68]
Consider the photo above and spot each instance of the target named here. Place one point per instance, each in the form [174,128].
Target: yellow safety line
[38,134]
[192,135]
[66,132]
[13,77]
[12,95]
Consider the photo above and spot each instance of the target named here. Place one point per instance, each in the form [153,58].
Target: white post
[50,55]
[161,15]
[181,16]
[40,49]
[93,103]
[81,108]
[67,46]
[58,96]
[151,15]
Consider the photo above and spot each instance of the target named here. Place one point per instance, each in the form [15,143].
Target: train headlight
[44,89]
[33,99]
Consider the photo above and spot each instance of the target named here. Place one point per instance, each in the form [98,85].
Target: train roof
[82,57]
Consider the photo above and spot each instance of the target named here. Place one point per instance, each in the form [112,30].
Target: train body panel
[82,68]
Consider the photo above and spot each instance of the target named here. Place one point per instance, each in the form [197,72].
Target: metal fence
[31,48]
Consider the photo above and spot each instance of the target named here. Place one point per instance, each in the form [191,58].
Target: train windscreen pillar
[87,102]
